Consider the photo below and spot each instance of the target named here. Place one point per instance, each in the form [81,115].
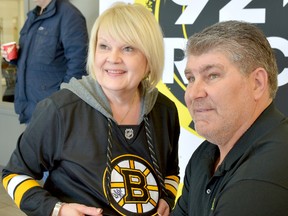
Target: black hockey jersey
[69,136]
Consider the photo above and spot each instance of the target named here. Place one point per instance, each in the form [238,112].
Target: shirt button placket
[208,191]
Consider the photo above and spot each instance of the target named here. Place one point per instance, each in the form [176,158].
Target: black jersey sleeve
[37,149]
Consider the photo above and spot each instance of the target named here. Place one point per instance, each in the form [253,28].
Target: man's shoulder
[64,5]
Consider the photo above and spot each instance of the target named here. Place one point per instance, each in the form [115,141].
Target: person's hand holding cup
[9,51]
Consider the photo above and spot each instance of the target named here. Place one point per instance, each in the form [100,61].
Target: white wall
[10,129]
[11,19]
[90,9]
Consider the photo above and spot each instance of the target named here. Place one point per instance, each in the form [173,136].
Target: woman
[110,140]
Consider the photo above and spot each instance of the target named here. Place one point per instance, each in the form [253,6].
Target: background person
[241,168]
[109,140]
[52,49]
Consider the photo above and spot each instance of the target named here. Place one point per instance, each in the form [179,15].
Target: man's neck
[43,5]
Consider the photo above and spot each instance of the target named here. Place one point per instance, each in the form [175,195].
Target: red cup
[11,50]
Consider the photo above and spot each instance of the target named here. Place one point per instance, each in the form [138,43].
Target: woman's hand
[74,209]
[163,208]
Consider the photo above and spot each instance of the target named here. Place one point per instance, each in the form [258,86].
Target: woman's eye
[128,49]
[102,46]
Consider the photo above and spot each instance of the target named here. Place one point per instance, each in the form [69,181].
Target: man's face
[219,97]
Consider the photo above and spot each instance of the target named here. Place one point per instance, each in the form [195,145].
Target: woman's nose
[114,57]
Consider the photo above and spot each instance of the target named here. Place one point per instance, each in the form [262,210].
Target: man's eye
[213,76]
[191,79]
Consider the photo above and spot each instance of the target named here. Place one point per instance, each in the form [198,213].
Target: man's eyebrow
[204,68]
[209,67]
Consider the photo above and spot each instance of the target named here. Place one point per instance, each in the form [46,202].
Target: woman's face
[118,66]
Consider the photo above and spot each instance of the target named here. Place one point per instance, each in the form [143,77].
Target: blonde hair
[135,25]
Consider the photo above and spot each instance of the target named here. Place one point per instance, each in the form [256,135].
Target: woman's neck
[126,110]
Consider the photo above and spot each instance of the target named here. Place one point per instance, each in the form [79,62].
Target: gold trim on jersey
[17,185]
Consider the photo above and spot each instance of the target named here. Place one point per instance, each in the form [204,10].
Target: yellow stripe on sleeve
[171,183]
[7,179]
[22,188]
[174,178]
[172,189]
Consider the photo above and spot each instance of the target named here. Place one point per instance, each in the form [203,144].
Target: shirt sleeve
[74,36]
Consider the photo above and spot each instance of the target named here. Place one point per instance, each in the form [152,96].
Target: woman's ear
[260,82]
[147,73]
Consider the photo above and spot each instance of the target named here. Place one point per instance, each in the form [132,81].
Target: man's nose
[196,89]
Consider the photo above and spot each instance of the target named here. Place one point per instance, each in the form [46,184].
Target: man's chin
[201,129]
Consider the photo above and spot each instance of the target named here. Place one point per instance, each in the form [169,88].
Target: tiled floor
[7,206]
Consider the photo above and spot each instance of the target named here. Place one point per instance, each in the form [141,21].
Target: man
[53,48]
[241,168]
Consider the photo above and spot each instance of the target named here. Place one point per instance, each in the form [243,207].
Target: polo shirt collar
[258,129]
[48,8]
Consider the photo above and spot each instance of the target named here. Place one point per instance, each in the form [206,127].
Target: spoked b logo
[134,186]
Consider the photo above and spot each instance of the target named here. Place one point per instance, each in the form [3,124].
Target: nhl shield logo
[129,133]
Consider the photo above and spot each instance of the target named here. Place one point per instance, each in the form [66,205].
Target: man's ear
[259,78]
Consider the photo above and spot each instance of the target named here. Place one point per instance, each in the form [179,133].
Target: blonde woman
[110,140]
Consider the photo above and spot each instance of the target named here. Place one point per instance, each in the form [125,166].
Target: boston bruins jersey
[124,169]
